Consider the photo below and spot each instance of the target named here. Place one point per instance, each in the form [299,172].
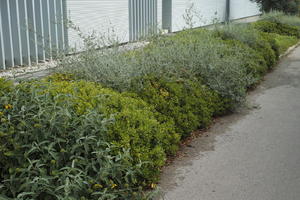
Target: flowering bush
[78,140]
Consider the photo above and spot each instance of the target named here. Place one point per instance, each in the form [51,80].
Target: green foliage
[275,27]
[135,126]
[271,40]
[251,37]
[280,17]
[190,104]
[255,63]
[286,6]
[64,138]
[5,86]
[188,54]
[197,53]
[284,42]
[72,140]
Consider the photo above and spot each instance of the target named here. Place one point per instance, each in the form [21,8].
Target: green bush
[5,86]
[198,53]
[190,104]
[72,140]
[284,42]
[275,27]
[279,43]
[271,40]
[285,6]
[280,17]
[147,139]
[254,62]
[251,37]
[184,55]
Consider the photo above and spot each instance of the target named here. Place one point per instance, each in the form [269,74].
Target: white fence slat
[60,27]
[2,50]
[40,30]
[32,30]
[9,43]
[16,32]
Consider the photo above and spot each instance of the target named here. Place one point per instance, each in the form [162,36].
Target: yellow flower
[8,106]
[113,186]
[97,186]
[153,185]
[164,92]
[63,151]
[37,126]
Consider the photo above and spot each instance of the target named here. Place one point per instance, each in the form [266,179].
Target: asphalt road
[251,155]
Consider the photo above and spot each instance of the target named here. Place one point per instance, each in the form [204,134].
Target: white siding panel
[243,8]
[204,12]
[102,17]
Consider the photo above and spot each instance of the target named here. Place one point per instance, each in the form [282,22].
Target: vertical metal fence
[35,30]
[142,18]
[31,31]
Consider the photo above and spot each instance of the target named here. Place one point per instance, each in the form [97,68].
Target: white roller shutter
[103,17]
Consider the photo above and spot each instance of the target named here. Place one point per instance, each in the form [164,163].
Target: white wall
[103,16]
[243,8]
[204,12]
[208,10]
[108,17]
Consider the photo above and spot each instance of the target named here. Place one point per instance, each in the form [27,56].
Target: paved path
[251,155]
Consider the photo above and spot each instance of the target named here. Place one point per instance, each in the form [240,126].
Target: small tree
[287,6]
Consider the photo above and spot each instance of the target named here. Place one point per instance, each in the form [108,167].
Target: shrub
[187,54]
[78,140]
[251,37]
[5,86]
[198,54]
[284,42]
[286,6]
[254,62]
[108,67]
[275,27]
[271,40]
[190,104]
[280,17]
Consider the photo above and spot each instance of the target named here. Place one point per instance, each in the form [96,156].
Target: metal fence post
[227,15]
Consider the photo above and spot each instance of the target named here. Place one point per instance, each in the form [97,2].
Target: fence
[36,30]
[31,31]
[142,18]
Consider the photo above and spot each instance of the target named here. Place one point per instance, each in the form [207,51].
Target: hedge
[76,139]
[103,127]
[276,27]
[189,104]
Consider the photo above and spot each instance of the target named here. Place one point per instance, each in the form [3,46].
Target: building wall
[207,12]
[204,12]
[243,8]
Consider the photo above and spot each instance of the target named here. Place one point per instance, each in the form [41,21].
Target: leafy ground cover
[104,125]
